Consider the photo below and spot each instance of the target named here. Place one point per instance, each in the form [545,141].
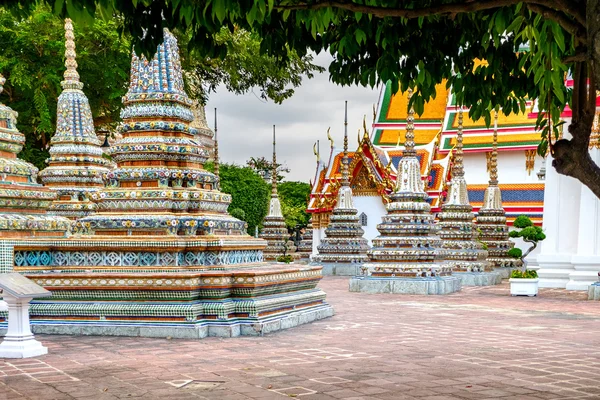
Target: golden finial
[329,136]
[216,154]
[358,137]
[315,151]
[366,133]
[457,166]
[494,156]
[409,141]
[374,113]
[71,76]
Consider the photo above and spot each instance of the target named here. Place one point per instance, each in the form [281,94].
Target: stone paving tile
[480,343]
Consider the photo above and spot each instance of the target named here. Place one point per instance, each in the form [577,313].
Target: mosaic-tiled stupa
[23,202]
[464,253]
[344,249]
[407,256]
[76,163]
[305,246]
[275,231]
[162,257]
[491,219]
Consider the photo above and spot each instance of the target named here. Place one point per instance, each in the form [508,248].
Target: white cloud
[245,122]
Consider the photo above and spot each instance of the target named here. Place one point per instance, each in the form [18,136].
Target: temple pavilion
[158,255]
[374,163]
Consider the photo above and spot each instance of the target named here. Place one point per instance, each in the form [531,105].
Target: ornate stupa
[160,186]
[464,253]
[275,231]
[76,165]
[204,135]
[305,246]
[23,202]
[491,218]
[344,249]
[406,256]
[161,257]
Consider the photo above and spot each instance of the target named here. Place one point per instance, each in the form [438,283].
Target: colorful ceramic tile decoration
[23,202]
[160,256]
[491,219]
[464,253]
[76,164]
[275,231]
[407,256]
[344,249]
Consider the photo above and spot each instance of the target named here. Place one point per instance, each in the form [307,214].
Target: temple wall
[375,209]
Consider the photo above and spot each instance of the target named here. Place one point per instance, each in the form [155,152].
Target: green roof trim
[447,144]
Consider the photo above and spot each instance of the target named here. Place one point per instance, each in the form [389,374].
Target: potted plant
[524,282]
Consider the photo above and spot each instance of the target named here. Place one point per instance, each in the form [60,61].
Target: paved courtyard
[477,344]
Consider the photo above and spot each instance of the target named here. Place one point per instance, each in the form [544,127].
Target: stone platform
[177,287]
[339,269]
[423,286]
[504,272]
[479,278]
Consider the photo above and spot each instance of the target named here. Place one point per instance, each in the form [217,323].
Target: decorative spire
[71,75]
[345,181]
[329,136]
[216,154]
[457,167]
[409,142]
[494,157]
[274,172]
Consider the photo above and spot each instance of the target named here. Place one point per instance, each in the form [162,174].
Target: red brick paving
[477,344]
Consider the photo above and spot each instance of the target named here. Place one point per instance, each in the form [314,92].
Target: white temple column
[586,262]
[562,196]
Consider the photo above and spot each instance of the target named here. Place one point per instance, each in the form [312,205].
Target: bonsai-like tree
[529,233]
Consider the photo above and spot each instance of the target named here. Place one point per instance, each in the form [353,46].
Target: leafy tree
[294,199]
[32,60]
[250,193]
[527,46]
[264,168]
[529,233]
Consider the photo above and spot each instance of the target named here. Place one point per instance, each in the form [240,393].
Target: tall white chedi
[464,253]
[344,249]
[275,231]
[76,163]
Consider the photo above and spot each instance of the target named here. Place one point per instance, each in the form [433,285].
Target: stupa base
[230,328]
[340,269]
[594,291]
[479,278]
[422,286]
[504,272]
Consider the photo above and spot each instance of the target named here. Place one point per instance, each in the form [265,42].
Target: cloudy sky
[245,122]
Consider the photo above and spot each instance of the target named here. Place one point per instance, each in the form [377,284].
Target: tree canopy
[32,60]
[528,48]
[294,200]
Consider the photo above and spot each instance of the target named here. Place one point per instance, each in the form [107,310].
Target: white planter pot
[523,287]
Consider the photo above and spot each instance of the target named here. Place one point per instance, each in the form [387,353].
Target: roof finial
[71,75]
[457,166]
[2,82]
[409,142]
[374,113]
[494,157]
[274,171]
[216,154]
[366,133]
[329,137]
[315,151]
[345,181]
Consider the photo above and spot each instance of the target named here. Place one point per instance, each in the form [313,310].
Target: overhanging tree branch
[573,27]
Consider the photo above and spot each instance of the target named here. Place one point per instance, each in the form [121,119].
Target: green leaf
[361,36]
[219,9]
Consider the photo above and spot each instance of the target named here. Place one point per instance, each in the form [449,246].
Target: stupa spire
[274,168]
[216,153]
[409,142]
[494,157]
[345,181]
[409,168]
[71,76]
[457,194]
